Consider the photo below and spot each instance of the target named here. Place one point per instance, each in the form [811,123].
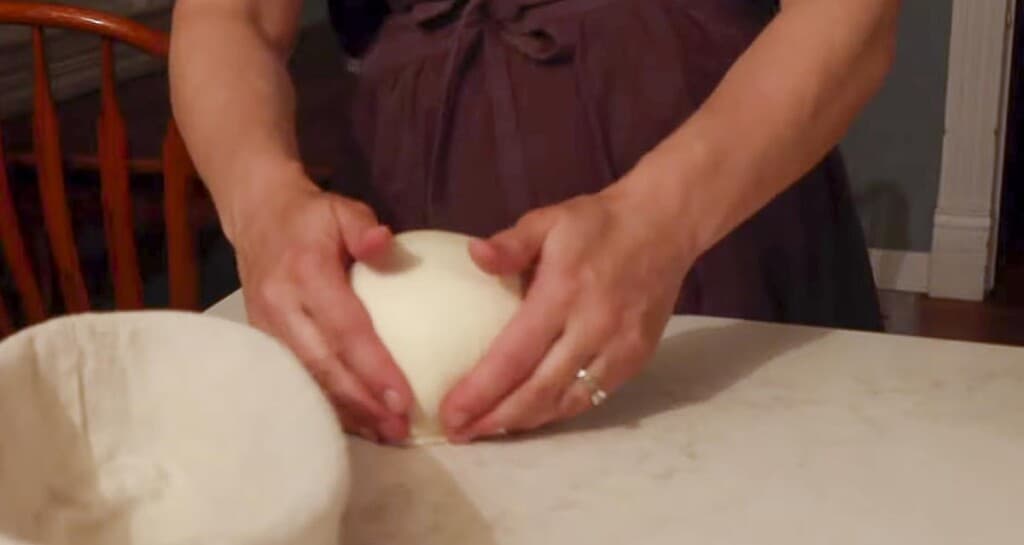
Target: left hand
[606,272]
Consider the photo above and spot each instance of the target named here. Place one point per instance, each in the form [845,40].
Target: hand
[606,272]
[293,263]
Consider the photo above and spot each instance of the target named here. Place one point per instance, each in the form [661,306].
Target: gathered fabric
[470,113]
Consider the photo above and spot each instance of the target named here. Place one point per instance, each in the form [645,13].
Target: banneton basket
[164,428]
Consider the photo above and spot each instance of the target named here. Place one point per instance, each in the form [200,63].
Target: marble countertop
[738,433]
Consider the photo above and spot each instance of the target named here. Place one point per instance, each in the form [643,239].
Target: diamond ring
[597,395]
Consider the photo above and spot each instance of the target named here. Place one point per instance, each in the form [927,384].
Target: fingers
[589,337]
[340,316]
[515,249]
[608,346]
[538,400]
[297,330]
[296,289]
[364,237]
[509,361]
[354,425]
[513,355]
[373,245]
[622,358]
[578,397]
[359,412]
[522,344]
[593,294]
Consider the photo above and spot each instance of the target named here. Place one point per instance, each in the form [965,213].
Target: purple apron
[470,113]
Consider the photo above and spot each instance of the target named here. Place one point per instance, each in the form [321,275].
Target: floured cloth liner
[164,428]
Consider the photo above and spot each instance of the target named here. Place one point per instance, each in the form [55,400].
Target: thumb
[513,250]
[364,237]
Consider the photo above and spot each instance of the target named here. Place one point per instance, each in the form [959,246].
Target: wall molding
[898,270]
[963,240]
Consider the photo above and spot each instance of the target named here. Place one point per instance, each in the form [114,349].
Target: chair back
[114,172]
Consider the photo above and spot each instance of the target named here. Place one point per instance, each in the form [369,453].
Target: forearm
[234,101]
[785,104]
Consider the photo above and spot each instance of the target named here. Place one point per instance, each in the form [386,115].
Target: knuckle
[634,344]
[343,388]
[375,373]
[272,295]
[358,209]
[315,357]
[543,394]
[534,216]
[606,323]
[304,263]
[561,301]
[355,424]
[258,318]
[574,400]
[320,373]
[347,324]
[567,274]
[588,274]
[602,214]
[359,416]
[543,216]
[565,286]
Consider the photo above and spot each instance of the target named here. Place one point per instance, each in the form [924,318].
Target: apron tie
[494,24]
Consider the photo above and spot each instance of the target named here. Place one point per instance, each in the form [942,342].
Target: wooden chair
[114,170]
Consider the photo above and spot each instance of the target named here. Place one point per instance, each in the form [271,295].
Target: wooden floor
[918,315]
[999,319]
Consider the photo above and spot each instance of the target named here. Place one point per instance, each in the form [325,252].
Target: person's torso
[356,22]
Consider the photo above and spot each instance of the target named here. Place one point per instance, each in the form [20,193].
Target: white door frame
[966,216]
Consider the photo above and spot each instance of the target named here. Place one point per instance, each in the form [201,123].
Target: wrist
[676,185]
[244,201]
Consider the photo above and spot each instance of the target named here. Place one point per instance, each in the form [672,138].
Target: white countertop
[738,433]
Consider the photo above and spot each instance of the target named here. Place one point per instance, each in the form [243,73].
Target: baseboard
[900,270]
[958,267]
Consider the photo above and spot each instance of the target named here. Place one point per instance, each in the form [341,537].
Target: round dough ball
[437,313]
[164,428]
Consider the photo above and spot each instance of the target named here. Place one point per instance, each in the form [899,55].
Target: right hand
[293,260]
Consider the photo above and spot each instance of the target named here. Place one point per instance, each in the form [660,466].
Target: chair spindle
[118,221]
[15,252]
[46,141]
[183,269]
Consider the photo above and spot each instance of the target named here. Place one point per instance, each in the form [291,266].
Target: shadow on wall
[884,210]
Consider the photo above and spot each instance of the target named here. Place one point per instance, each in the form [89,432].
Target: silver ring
[597,395]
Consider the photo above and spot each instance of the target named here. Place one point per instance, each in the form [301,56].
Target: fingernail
[457,420]
[368,434]
[393,402]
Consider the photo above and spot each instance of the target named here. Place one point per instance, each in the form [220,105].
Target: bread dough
[164,428]
[437,313]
